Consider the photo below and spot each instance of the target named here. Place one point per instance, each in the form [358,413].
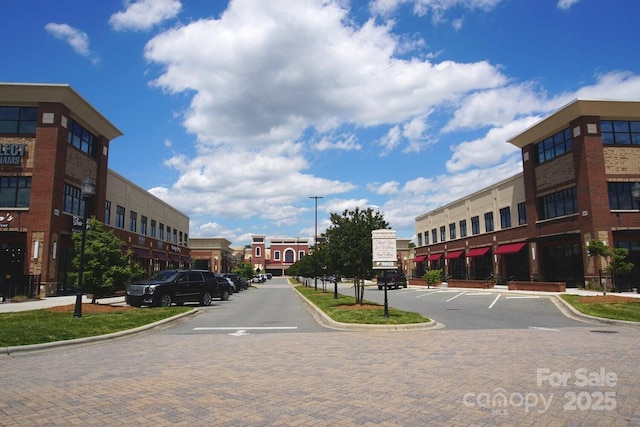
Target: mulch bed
[606,299]
[91,308]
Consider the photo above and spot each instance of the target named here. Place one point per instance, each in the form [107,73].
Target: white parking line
[494,301]
[452,298]
[524,297]
[243,328]
[539,328]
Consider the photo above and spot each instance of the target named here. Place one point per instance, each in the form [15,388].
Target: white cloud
[566,4]
[343,142]
[144,14]
[77,39]
[437,8]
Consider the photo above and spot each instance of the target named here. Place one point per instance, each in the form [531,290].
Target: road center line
[494,301]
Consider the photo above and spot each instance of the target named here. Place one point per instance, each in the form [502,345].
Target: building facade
[579,165]
[214,254]
[51,140]
[279,256]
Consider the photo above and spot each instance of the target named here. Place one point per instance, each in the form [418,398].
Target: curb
[326,321]
[11,350]
[585,317]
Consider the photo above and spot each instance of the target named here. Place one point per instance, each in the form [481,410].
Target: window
[143,225]
[505,218]
[426,237]
[419,239]
[133,221]
[463,228]
[620,196]
[180,238]
[452,231]
[443,233]
[175,236]
[168,234]
[475,225]
[620,132]
[300,254]
[153,228]
[81,138]
[522,213]
[73,202]
[557,204]
[161,232]
[434,235]
[488,222]
[288,256]
[18,120]
[276,255]
[107,212]
[120,216]
[554,146]
[258,252]
[15,191]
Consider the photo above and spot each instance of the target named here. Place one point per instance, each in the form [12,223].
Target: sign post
[384,256]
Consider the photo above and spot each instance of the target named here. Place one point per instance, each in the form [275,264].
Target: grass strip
[41,326]
[629,311]
[346,310]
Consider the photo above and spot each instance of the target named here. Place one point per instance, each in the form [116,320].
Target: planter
[476,284]
[537,286]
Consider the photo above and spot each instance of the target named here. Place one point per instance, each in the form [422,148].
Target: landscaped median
[345,313]
[608,307]
[22,330]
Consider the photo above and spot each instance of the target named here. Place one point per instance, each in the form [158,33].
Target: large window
[133,221]
[120,216]
[620,196]
[488,222]
[419,239]
[557,204]
[107,212]
[161,232]
[143,225]
[153,228]
[434,235]
[443,233]
[426,237]
[15,191]
[18,120]
[555,146]
[475,225]
[463,228]
[452,231]
[522,213]
[73,201]
[620,132]
[81,138]
[505,218]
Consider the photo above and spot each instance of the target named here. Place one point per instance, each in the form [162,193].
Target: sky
[238,113]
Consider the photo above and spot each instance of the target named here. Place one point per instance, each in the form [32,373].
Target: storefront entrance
[12,252]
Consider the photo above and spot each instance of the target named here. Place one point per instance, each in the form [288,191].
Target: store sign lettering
[11,154]
[5,219]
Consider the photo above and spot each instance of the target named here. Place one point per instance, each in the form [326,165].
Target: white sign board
[384,249]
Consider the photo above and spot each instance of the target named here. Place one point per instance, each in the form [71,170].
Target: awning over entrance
[420,258]
[453,254]
[477,251]
[510,248]
[434,257]
[161,256]
[142,253]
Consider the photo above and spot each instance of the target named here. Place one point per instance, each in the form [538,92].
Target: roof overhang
[607,109]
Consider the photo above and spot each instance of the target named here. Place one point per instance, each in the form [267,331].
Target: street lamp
[87,190]
[315,239]
[635,193]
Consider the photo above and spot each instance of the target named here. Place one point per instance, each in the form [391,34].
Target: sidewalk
[8,307]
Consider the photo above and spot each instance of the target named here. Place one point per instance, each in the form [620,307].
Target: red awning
[477,251]
[142,253]
[453,254]
[510,248]
[420,258]
[434,257]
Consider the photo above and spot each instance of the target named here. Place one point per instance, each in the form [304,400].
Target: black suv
[176,286]
[392,279]
[240,283]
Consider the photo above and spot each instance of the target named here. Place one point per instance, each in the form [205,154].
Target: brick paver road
[568,377]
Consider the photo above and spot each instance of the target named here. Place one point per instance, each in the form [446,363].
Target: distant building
[579,167]
[213,253]
[279,256]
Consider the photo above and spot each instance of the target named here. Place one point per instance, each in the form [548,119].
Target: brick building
[279,256]
[51,140]
[579,166]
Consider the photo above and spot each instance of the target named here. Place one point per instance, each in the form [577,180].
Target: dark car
[238,281]
[166,287]
[392,280]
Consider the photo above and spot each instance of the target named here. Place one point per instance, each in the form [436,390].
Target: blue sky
[237,112]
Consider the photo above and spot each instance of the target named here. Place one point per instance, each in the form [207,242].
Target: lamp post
[315,238]
[88,189]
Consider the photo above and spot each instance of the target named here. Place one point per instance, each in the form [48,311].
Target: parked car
[259,278]
[392,279]
[223,280]
[166,287]
[237,281]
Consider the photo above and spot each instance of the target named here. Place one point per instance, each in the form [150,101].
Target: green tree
[615,259]
[348,245]
[245,270]
[106,268]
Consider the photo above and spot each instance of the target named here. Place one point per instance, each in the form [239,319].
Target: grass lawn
[58,324]
[607,306]
[345,310]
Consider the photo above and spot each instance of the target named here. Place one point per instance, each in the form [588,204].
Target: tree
[615,258]
[106,268]
[348,245]
[244,269]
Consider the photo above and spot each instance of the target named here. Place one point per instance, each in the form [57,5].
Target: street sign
[385,254]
